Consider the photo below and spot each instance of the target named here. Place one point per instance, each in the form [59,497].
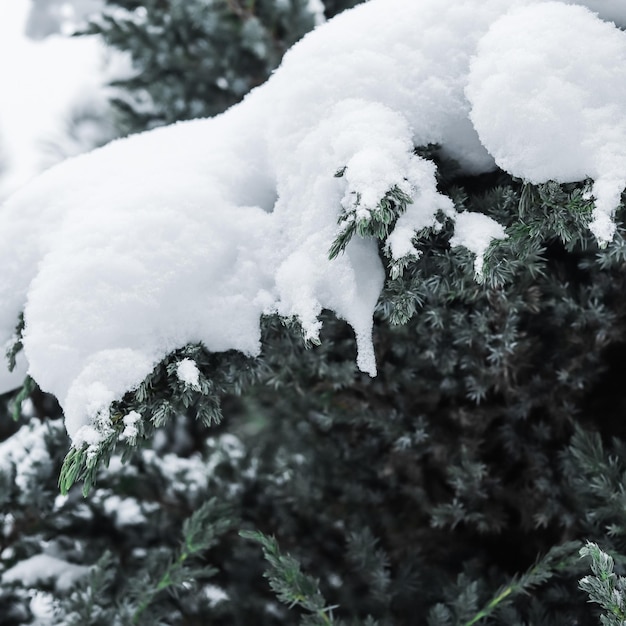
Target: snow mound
[190,233]
[564,124]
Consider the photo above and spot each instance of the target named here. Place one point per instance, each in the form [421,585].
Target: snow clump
[188,373]
[191,233]
[45,568]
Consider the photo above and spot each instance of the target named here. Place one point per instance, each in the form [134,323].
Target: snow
[25,455]
[188,373]
[316,8]
[43,568]
[41,82]
[8,526]
[475,232]
[130,425]
[43,606]
[126,511]
[214,594]
[566,124]
[191,233]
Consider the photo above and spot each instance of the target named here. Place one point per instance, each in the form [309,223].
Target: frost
[188,234]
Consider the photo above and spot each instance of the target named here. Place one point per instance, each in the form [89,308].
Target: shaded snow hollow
[190,233]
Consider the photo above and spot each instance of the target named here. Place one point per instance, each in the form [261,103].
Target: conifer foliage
[195,59]
[478,479]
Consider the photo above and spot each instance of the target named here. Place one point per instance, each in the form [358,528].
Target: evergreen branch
[291,586]
[597,478]
[200,532]
[84,462]
[84,603]
[555,561]
[378,223]
[159,397]
[604,587]
[15,345]
[491,605]
[23,394]
[372,561]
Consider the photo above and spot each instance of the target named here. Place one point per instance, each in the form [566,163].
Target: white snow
[126,511]
[475,232]
[8,526]
[130,425]
[43,568]
[610,10]
[25,455]
[188,475]
[316,8]
[214,594]
[188,373]
[565,124]
[190,233]
[40,82]
[43,606]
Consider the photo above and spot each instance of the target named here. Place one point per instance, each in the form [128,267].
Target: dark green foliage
[462,606]
[195,59]
[291,586]
[200,532]
[597,478]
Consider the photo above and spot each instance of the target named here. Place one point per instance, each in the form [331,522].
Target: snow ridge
[190,233]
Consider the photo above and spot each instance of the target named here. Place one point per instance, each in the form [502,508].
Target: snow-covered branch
[190,233]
